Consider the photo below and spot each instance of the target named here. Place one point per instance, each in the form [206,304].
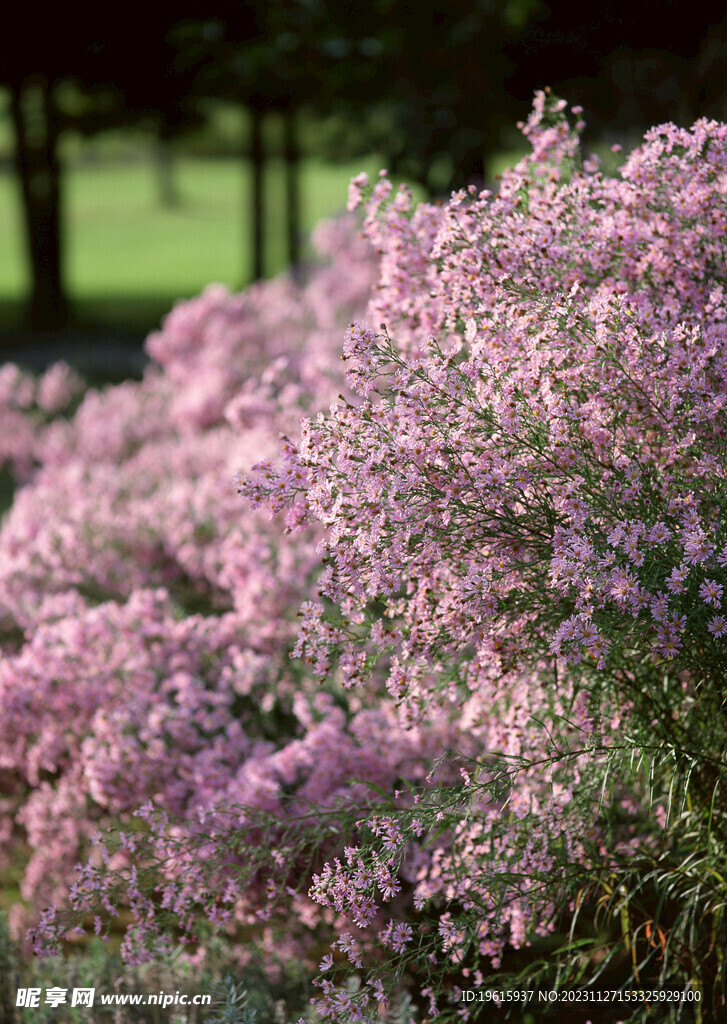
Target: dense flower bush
[524,524]
[507,542]
[147,619]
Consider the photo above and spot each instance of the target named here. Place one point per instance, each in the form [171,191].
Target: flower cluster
[27,405]
[146,620]
[524,513]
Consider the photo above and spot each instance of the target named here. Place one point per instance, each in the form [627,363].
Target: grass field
[128,258]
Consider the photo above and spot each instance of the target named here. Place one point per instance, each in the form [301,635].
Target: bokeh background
[144,154]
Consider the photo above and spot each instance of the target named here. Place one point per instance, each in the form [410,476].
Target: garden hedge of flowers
[398,650]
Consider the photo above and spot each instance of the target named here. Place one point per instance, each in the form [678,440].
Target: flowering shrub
[524,530]
[507,543]
[146,622]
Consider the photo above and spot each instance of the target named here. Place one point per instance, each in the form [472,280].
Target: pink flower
[401,934]
[717,626]
[711,592]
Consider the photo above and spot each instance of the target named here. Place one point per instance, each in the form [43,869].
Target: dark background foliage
[434,88]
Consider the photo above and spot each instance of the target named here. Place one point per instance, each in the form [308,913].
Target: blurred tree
[630,65]
[37,123]
[430,86]
[426,82]
[422,84]
[113,75]
[709,82]
[435,85]
[228,55]
[265,56]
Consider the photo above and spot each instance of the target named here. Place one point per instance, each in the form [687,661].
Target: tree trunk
[292,191]
[37,128]
[258,193]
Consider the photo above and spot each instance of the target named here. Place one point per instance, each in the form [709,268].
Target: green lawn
[128,258]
